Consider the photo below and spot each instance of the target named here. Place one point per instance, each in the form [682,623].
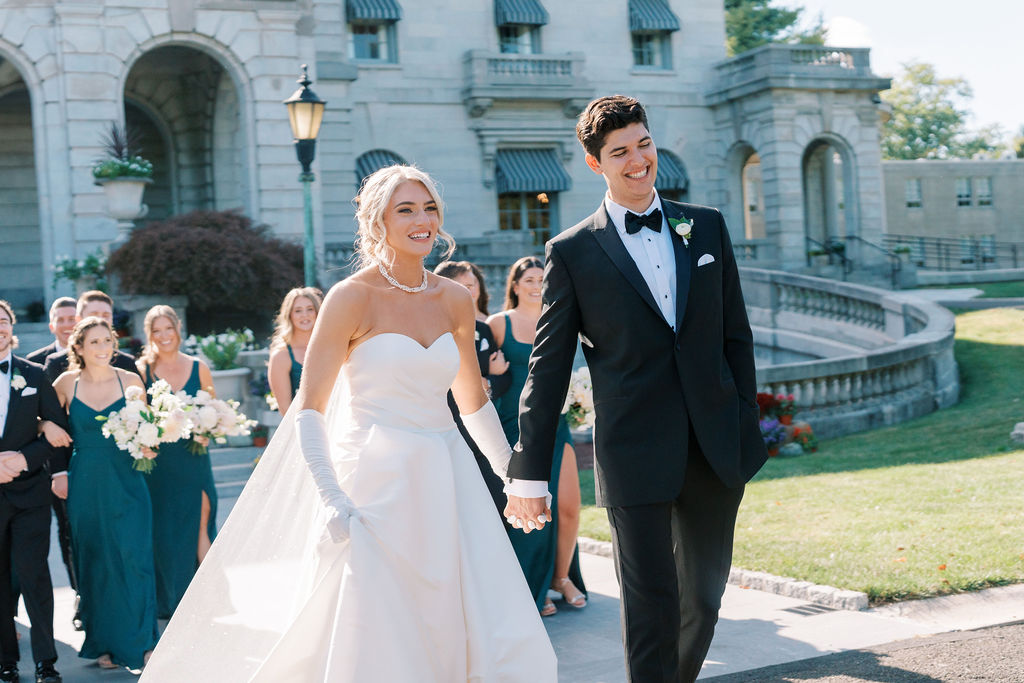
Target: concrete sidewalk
[755,630]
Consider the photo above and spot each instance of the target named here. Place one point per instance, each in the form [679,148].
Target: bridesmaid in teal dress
[292,329]
[550,557]
[181,486]
[108,508]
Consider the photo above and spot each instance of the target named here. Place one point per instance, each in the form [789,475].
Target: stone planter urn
[124,201]
[233,383]
[84,284]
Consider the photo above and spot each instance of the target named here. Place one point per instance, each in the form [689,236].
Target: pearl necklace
[391,278]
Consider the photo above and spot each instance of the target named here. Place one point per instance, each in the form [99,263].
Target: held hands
[59,486]
[528,514]
[12,464]
[203,441]
[339,518]
[497,364]
[55,435]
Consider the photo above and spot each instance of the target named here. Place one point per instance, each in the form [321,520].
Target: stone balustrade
[882,357]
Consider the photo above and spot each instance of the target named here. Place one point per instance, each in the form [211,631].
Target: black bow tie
[4,366]
[651,220]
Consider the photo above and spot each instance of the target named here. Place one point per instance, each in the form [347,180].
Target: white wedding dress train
[427,589]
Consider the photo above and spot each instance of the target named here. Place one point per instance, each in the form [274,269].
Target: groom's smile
[629,163]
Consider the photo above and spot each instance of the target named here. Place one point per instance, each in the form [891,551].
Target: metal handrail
[895,263]
[834,249]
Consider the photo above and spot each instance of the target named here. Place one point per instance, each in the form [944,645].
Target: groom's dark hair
[604,115]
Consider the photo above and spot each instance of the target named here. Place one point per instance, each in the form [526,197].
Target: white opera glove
[312,431]
[484,428]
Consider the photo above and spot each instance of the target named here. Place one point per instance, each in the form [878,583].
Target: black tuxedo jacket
[57,364]
[650,383]
[20,433]
[40,355]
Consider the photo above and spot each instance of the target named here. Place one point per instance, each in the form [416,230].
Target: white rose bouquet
[140,428]
[579,401]
[215,419]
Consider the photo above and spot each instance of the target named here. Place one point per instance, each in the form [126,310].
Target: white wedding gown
[427,589]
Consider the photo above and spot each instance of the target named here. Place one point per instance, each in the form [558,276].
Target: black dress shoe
[45,673]
[9,673]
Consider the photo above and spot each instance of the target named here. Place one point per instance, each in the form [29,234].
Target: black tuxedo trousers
[25,514]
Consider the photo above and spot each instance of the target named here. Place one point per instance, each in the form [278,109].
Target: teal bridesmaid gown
[294,372]
[112,535]
[176,485]
[535,550]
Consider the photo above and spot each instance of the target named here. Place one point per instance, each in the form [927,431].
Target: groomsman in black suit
[26,396]
[651,287]
[63,316]
[99,304]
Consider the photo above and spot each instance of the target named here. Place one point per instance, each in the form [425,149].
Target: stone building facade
[481,93]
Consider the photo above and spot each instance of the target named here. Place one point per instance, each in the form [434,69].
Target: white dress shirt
[653,255]
[656,260]
[5,389]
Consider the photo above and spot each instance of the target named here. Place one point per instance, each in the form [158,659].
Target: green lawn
[931,506]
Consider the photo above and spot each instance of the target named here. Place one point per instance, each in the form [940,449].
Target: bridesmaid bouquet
[140,428]
[215,419]
[579,401]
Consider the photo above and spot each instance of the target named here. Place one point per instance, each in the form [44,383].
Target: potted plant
[259,436]
[86,274]
[785,406]
[774,435]
[221,352]
[123,174]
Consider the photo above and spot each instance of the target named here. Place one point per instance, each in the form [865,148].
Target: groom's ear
[594,164]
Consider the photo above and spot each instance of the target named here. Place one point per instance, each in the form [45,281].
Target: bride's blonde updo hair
[377,189]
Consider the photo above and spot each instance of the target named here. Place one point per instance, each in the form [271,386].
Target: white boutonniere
[683,227]
[17,381]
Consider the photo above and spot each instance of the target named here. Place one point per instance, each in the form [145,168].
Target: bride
[365,546]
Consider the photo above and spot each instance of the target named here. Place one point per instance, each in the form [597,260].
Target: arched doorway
[186,109]
[753,198]
[830,199]
[21,258]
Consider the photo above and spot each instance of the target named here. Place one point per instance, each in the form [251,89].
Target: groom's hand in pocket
[521,512]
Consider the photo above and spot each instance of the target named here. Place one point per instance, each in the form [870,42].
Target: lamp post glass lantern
[305,113]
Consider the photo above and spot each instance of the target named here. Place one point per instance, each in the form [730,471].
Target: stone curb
[780,585]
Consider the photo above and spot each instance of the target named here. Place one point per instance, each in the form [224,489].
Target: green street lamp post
[305,113]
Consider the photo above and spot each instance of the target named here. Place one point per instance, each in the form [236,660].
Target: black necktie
[4,365]
[651,220]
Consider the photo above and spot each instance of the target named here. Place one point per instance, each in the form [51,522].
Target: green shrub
[218,259]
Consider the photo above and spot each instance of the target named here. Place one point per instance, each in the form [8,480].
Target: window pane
[369,41]
[963,191]
[983,188]
[515,39]
[913,193]
[644,49]
[509,214]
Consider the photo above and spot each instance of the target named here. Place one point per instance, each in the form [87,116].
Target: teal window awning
[373,10]
[671,173]
[528,12]
[652,15]
[374,160]
[530,170]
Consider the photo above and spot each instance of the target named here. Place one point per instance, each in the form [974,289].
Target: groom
[651,288]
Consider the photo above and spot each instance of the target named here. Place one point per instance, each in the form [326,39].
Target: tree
[752,23]
[1018,143]
[929,118]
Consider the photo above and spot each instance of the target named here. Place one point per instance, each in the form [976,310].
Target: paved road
[991,655]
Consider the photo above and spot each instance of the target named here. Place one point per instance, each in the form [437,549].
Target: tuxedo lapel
[608,237]
[685,266]
[13,396]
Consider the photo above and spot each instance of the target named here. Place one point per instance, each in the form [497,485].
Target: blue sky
[977,40]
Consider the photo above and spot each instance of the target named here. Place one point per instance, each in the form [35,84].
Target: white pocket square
[705,259]
[28,391]
[484,345]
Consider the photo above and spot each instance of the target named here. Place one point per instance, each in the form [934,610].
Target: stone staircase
[231,469]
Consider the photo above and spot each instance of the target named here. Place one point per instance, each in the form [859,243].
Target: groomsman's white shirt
[656,260]
[5,389]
